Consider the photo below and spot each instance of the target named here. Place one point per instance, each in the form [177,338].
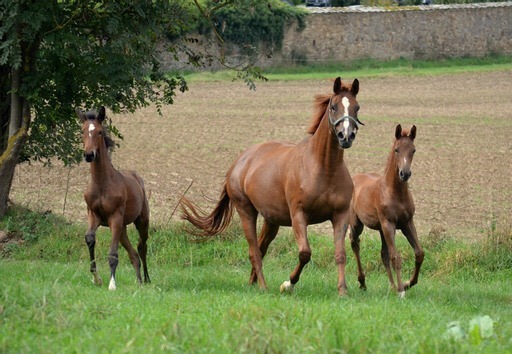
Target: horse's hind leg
[142,225]
[410,234]
[248,216]
[355,232]
[134,256]
[267,235]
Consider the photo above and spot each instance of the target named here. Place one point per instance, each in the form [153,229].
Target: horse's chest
[323,197]
[103,204]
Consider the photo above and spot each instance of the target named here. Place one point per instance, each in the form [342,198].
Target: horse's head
[404,151]
[343,108]
[94,134]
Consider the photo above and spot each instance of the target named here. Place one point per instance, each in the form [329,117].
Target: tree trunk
[8,162]
[20,111]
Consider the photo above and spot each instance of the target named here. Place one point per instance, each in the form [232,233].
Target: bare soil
[462,180]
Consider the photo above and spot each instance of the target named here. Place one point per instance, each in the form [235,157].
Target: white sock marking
[286,286]
[112,285]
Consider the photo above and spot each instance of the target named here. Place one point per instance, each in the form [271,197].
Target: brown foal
[114,199]
[384,203]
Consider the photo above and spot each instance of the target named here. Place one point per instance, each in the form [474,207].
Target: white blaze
[91,128]
[346,103]
[346,123]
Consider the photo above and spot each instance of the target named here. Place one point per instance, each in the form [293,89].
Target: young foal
[114,199]
[384,203]
[292,185]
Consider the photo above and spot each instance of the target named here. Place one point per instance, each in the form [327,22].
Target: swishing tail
[212,224]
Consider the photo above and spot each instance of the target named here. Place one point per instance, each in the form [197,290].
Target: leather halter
[356,121]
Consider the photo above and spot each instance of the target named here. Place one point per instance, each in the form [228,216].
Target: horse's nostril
[88,156]
[352,136]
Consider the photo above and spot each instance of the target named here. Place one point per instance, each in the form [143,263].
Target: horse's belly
[276,213]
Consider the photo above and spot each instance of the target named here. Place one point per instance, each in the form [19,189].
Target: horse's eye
[396,150]
[333,108]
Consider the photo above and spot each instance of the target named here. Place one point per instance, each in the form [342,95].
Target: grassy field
[199,300]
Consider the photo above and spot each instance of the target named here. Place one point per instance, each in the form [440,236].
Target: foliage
[256,22]
[84,54]
[87,54]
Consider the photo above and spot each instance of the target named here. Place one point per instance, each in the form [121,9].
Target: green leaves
[480,329]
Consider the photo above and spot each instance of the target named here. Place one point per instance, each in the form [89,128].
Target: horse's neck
[391,176]
[102,170]
[325,147]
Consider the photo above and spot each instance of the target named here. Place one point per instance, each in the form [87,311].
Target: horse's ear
[412,134]
[337,85]
[101,114]
[80,114]
[354,89]
[398,132]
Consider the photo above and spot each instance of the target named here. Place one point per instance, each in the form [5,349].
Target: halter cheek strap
[342,118]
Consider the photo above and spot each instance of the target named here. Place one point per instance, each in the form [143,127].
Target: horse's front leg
[389,230]
[90,240]
[299,226]
[410,233]
[340,226]
[116,227]
[354,233]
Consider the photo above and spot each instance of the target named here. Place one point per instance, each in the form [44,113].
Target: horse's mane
[320,106]
[109,142]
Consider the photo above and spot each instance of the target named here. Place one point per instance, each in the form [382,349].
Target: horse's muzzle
[89,156]
[346,141]
[404,175]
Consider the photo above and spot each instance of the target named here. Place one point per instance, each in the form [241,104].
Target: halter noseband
[356,121]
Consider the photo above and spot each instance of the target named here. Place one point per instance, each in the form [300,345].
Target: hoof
[343,292]
[96,279]
[401,295]
[286,287]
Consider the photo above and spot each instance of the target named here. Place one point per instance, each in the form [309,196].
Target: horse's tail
[212,224]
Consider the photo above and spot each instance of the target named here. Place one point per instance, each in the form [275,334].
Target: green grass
[199,300]
[366,68]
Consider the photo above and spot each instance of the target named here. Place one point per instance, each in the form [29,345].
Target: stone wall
[421,32]
[416,32]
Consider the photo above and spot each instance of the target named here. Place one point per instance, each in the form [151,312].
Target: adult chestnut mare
[291,185]
[114,199]
[385,203]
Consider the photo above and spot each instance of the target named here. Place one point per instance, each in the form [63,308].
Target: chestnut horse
[291,185]
[114,199]
[384,203]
